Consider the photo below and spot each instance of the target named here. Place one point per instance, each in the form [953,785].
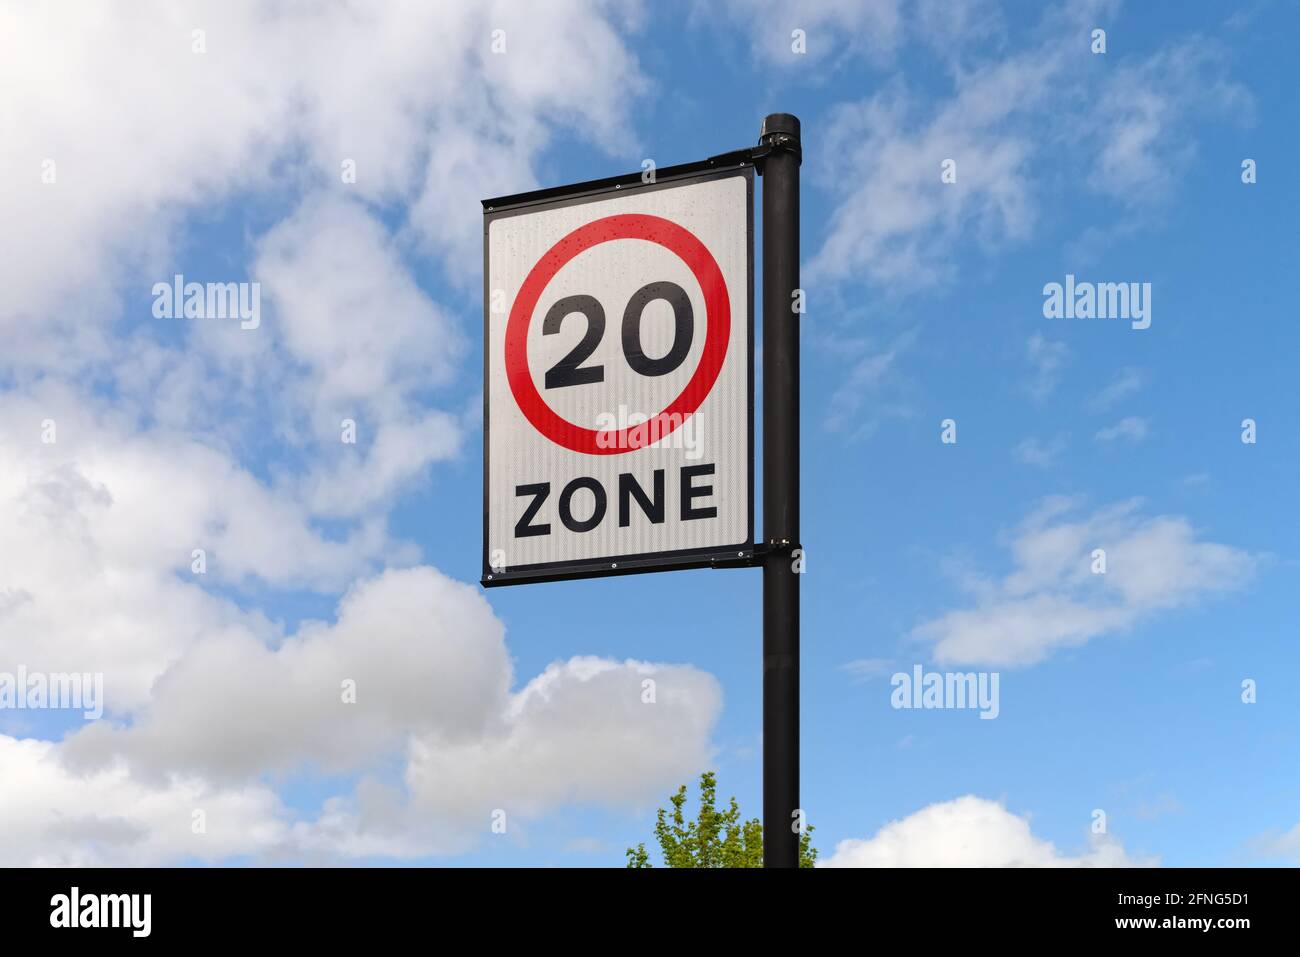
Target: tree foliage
[714,838]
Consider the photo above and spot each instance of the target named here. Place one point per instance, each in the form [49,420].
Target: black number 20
[570,371]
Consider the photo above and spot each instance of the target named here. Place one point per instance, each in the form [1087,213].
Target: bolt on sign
[618,376]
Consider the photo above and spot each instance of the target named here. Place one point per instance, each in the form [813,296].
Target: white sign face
[618,397]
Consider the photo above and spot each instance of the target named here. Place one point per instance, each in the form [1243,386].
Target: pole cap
[780,124]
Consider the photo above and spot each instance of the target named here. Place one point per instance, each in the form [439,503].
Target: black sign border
[719,167]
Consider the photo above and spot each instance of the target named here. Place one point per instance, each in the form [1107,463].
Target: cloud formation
[1052,599]
[1008,124]
[412,675]
[971,832]
[1131,429]
[256,98]
[130,442]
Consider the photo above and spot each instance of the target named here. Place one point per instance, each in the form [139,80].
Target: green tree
[715,838]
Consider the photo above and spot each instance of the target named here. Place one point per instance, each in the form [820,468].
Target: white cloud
[145,132]
[211,705]
[579,732]
[432,680]
[1131,429]
[874,374]
[1011,125]
[147,135]
[53,816]
[1052,600]
[1032,129]
[1047,359]
[1281,846]
[359,341]
[895,213]
[833,29]
[423,652]
[100,527]
[950,26]
[344,306]
[1140,118]
[862,669]
[1127,381]
[1038,452]
[971,832]
[411,92]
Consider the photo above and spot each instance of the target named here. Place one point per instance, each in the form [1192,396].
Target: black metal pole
[780,171]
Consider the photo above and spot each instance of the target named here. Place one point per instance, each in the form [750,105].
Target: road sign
[618,376]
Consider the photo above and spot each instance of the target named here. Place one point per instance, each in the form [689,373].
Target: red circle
[691,251]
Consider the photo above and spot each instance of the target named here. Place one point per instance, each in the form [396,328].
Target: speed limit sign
[618,377]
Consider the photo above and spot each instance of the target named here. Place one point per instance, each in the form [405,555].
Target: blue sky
[1120,693]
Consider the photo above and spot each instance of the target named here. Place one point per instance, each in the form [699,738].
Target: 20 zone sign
[618,377]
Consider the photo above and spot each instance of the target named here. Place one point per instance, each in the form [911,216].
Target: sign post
[782,817]
[618,398]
